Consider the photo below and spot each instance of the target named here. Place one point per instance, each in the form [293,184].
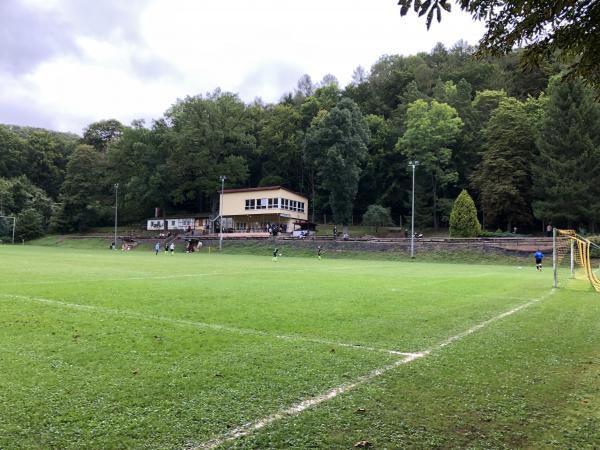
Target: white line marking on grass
[181,275]
[477,327]
[298,408]
[208,274]
[190,323]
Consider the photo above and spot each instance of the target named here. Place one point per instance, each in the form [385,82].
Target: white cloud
[257,48]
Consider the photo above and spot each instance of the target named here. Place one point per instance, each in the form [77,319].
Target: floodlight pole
[222,178]
[116,212]
[412,164]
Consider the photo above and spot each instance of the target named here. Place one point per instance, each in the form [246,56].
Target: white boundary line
[297,408]
[209,274]
[205,325]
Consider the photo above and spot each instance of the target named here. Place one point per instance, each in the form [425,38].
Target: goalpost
[568,243]
[5,229]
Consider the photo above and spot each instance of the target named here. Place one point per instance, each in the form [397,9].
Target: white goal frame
[14,219]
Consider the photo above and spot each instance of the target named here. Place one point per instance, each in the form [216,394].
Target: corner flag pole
[222,178]
[554,265]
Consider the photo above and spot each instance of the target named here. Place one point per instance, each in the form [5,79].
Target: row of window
[274,203]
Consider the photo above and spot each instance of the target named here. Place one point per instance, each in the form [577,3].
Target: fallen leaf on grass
[363,444]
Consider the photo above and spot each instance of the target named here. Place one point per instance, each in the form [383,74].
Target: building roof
[262,188]
[202,215]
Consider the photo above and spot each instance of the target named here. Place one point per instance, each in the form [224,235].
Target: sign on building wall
[172,224]
[156,224]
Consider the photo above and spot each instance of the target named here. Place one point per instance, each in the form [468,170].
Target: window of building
[250,203]
[301,206]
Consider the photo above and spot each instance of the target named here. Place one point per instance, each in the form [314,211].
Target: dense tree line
[525,145]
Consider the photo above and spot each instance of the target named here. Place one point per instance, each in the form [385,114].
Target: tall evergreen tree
[566,183]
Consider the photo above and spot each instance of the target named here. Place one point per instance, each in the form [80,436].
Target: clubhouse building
[251,211]
[263,209]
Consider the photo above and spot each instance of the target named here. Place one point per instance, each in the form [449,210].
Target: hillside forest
[524,144]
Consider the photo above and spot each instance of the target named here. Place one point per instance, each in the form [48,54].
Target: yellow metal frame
[583,251]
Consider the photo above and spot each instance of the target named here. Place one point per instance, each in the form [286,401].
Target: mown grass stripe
[210,326]
[298,408]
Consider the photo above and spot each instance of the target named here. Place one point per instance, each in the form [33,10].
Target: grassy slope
[99,378]
[266,248]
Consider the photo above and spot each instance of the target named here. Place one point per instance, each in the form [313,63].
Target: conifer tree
[566,187]
[463,218]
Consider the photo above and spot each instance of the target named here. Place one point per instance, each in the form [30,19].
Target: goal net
[572,252]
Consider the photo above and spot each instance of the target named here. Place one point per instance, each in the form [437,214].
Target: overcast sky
[67,63]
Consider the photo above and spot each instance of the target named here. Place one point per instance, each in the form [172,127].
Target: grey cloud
[29,37]
[26,114]
[272,78]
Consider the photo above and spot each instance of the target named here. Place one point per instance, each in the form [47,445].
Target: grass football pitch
[102,349]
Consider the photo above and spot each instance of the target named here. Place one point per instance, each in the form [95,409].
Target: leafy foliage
[503,177]
[430,130]
[84,199]
[377,216]
[567,29]
[102,134]
[339,139]
[566,171]
[471,124]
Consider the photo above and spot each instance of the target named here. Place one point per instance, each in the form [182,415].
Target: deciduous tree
[430,130]
[377,216]
[546,28]
[339,139]
[503,178]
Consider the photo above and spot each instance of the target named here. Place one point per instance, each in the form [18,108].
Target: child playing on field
[157,248]
[539,256]
[319,252]
[275,254]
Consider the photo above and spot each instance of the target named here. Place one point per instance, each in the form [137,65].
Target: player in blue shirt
[539,256]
